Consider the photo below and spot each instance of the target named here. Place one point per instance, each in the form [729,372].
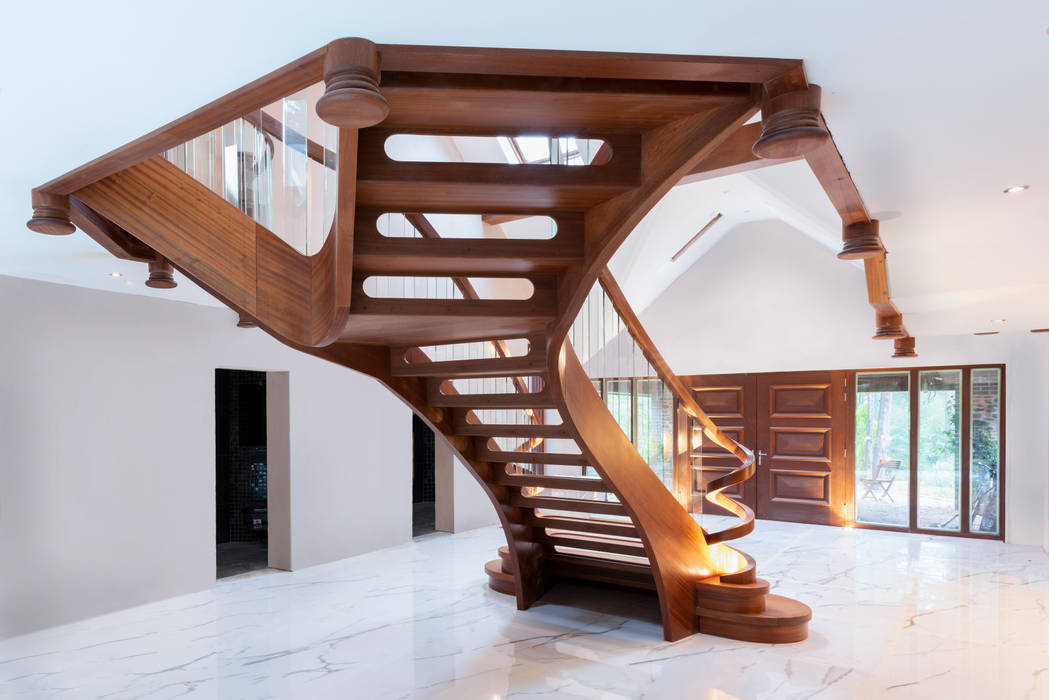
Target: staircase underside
[575,499]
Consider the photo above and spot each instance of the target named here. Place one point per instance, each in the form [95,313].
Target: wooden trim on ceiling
[706,227]
[829,168]
[582,64]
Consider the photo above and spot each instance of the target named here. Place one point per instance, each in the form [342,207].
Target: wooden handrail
[715,489]
[676,545]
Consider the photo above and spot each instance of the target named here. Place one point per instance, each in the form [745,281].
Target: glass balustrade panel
[277,165]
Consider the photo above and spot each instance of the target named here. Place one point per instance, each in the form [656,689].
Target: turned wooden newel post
[890,327]
[351,97]
[161,274]
[50,214]
[790,124]
[861,240]
[904,347]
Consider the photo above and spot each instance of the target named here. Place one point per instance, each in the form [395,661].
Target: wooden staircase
[588,508]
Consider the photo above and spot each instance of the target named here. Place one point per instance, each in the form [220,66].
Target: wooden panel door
[801,425]
[729,401]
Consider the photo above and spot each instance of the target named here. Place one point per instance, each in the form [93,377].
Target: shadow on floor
[605,599]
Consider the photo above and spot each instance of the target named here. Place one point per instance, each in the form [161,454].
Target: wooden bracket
[351,97]
[791,124]
[50,214]
[161,274]
[904,347]
[861,240]
[890,327]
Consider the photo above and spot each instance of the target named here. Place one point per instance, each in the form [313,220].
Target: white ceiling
[936,106]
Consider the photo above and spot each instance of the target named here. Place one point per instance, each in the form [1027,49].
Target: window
[882,454]
[985,430]
[939,449]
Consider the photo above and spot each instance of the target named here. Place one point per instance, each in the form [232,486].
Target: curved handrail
[716,488]
[675,543]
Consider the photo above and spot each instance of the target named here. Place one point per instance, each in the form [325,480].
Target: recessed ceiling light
[1014,189]
[115,275]
[997,320]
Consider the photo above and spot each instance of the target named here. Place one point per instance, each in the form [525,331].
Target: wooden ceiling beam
[581,64]
[860,236]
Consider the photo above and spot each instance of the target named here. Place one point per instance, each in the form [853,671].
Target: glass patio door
[939,449]
[882,448]
[927,449]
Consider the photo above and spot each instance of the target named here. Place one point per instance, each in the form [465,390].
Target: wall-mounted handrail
[716,488]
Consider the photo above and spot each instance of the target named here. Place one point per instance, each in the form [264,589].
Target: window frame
[965,506]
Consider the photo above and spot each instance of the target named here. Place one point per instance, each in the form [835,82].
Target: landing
[907,615]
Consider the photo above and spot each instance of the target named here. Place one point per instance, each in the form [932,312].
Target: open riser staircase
[299,218]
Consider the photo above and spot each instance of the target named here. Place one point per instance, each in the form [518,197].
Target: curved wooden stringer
[659,117]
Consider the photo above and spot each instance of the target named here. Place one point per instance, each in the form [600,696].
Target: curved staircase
[575,498]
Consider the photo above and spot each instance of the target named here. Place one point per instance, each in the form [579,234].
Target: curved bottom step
[783,620]
[499,580]
[746,598]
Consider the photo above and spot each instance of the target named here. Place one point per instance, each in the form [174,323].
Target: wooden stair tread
[562,538]
[569,504]
[779,611]
[713,585]
[506,457]
[541,308]
[539,399]
[568,483]
[392,327]
[492,188]
[494,569]
[511,430]
[595,525]
[469,257]
[528,365]
[748,598]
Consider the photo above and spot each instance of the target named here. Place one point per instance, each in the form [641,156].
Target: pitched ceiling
[936,107]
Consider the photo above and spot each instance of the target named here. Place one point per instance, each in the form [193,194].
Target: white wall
[107,451]
[461,504]
[766,298]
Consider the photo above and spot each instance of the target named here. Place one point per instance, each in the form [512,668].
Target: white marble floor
[895,616]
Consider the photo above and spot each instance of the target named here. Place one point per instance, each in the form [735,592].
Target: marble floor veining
[894,616]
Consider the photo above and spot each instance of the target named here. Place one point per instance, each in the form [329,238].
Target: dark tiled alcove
[423,478]
[240,471]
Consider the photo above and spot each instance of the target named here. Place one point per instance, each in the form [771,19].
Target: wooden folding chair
[884,476]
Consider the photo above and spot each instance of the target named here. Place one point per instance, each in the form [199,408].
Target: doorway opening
[241,473]
[423,478]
